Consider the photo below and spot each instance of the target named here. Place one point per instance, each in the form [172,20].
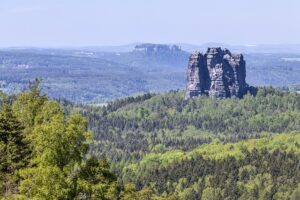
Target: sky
[61,23]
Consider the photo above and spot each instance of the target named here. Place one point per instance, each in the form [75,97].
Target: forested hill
[193,149]
[134,126]
[266,168]
[89,76]
[160,147]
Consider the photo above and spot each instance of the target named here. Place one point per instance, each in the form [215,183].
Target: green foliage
[210,193]
[126,130]
[56,165]
[252,169]
[27,106]
[96,181]
[13,150]
[161,147]
[296,193]
[130,193]
[202,148]
[44,182]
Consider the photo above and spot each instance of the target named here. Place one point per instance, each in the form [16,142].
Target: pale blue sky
[113,22]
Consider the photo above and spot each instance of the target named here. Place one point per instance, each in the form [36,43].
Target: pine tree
[13,150]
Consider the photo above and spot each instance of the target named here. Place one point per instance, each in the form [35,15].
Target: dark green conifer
[13,149]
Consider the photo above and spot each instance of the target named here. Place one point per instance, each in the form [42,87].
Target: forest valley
[153,146]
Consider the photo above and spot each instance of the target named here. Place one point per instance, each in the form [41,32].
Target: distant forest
[91,76]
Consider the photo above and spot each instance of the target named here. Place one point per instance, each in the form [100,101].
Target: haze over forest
[150,100]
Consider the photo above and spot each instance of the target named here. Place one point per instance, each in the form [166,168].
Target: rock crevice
[217,73]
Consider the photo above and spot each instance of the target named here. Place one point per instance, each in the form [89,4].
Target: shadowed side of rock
[217,73]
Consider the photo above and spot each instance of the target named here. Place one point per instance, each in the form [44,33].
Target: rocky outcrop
[217,73]
[156,48]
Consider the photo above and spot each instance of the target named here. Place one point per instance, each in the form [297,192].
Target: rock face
[217,73]
[156,48]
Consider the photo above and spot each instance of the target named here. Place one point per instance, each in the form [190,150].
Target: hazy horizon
[213,44]
[74,23]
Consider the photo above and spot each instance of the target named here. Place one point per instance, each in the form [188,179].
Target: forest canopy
[44,152]
[153,146]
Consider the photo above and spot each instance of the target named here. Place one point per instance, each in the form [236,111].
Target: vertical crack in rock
[217,73]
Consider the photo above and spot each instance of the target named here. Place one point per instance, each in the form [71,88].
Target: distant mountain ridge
[90,76]
[156,48]
[94,75]
[243,48]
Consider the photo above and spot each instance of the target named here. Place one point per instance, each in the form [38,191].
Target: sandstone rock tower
[217,73]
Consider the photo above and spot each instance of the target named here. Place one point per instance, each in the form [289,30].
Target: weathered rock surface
[156,48]
[217,73]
